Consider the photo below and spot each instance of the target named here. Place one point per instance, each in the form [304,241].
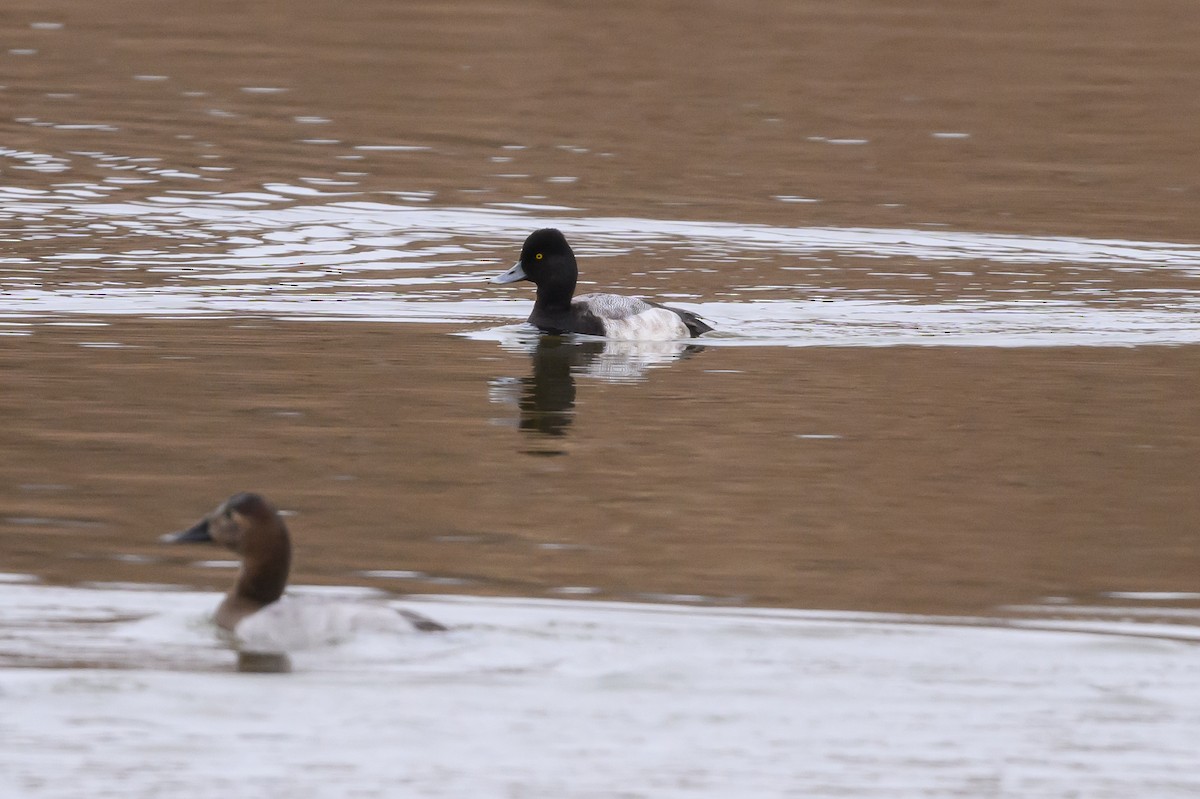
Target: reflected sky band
[296,252]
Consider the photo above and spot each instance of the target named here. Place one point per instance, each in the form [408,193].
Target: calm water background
[950,249]
[919,519]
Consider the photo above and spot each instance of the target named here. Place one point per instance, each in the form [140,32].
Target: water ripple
[300,252]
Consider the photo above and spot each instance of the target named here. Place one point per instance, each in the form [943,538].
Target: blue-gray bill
[511,276]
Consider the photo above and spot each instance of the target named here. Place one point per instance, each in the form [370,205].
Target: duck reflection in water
[546,398]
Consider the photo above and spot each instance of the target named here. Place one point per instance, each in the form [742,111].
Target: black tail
[695,325]
[422,623]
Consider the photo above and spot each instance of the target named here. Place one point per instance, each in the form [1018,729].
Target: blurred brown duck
[251,526]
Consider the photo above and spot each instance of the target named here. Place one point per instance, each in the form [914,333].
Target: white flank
[634,319]
[655,324]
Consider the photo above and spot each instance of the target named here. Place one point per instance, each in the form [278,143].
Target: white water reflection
[544,400]
[128,692]
[298,252]
[608,360]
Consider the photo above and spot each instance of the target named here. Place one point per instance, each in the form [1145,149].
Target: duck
[548,262]
[255,614]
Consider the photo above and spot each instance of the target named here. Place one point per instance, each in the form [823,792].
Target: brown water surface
[945,478]
[889,478]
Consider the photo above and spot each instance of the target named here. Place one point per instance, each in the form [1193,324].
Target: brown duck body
[251,526]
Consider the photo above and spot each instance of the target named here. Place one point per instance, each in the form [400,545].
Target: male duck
[252,527]
[548,262]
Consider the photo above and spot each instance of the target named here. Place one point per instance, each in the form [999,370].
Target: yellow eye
[538,256]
